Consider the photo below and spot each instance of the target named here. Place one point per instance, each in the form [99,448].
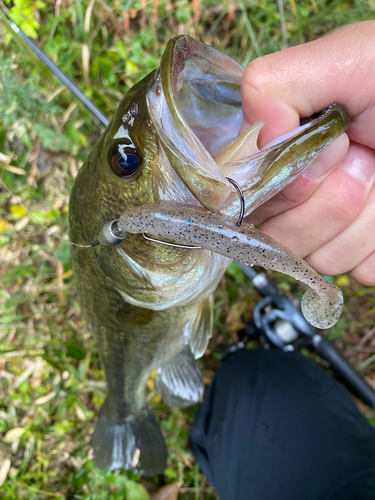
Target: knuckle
[292,196]
[256,76]
[331,260]
[343,203]
[295,194]
[365,272]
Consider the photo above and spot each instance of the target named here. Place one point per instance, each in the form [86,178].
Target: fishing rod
[276,321]
[24,41]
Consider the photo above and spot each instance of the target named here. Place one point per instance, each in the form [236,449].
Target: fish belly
[133,342]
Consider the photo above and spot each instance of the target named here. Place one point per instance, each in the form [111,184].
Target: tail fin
[134,442]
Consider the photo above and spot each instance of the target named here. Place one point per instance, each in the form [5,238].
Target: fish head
[126,168]
[174,138]
[197,112]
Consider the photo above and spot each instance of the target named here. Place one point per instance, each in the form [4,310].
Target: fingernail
[328,160]
[359,164]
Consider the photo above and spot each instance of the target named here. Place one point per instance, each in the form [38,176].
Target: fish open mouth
[195,105]
[194,102]
[202,91]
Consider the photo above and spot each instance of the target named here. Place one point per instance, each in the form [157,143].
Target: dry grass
[51,380]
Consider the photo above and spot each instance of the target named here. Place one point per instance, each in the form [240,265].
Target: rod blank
[58,73]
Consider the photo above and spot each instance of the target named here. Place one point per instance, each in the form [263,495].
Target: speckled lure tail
[191,225]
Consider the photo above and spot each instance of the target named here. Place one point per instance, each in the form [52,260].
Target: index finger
[303,80]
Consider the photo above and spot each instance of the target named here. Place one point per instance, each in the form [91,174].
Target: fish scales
[173,139]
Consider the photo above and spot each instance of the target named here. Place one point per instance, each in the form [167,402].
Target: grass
[51,379]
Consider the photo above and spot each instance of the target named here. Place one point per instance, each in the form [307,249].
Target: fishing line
[32,216]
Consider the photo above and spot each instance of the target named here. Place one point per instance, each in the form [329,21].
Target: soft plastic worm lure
[192,225]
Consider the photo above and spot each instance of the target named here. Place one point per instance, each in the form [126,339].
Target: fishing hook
[242,200]
[110,233]
[178,245]
[239,221]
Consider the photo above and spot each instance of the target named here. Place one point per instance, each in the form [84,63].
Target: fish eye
[124,160]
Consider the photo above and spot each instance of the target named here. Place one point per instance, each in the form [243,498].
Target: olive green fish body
[173,139]
[133,342]
[146,331]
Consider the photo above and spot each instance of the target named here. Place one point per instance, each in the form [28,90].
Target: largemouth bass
[173,140]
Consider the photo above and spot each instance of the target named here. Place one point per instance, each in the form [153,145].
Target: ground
[51,379]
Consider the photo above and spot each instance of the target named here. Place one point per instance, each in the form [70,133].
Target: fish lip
[281,161]
[178,52]
[341,109]
[332,107]
[307,122]
[189,155]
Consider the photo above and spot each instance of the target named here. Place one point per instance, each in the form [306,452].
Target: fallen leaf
[4,470]
[3,226]
[157,398]
[13,434]
[168,492]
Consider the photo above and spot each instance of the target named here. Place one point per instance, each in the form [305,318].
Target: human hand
[327,215]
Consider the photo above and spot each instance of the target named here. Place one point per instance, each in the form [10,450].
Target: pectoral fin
[180,382]
[199,329]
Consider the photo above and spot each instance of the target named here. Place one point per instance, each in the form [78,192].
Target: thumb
[303,80]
